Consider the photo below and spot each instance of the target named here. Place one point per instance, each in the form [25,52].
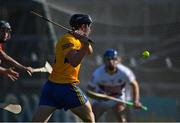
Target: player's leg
[43,113]
[128,114]
[77,102]
[84,112]
[98,109]
[47,103]
[120,112]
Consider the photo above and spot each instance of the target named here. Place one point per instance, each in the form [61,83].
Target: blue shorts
[65,96]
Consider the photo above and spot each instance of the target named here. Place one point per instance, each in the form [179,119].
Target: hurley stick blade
[46,68]
[29,73]
[13,108]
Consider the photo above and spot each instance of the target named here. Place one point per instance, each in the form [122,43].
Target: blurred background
[128,26]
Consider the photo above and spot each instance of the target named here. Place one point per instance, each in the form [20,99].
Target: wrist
[24,68]
[4,71]
[135,100]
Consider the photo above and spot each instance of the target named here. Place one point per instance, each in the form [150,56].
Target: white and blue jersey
[116,84]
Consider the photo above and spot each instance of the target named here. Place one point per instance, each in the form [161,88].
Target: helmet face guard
[79,19]
[5,31]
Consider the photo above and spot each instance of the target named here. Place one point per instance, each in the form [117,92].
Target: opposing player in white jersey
[113,79]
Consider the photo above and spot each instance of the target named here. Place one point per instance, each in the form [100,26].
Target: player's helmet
[79,19]
[5,24]
[110,53]
[5,27]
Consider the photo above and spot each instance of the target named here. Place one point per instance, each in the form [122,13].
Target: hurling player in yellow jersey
[61,91]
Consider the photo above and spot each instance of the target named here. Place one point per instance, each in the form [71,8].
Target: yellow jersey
[63,71]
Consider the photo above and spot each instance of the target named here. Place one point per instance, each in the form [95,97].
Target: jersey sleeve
[68,44]
[130,75]
[94,80]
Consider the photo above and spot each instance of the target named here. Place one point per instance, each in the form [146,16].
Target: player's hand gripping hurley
[46,19]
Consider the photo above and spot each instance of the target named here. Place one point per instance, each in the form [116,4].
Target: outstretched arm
[7,58]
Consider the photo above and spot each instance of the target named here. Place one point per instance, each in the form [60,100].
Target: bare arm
[90,50]
[136,93]
[7,58]
[75,57]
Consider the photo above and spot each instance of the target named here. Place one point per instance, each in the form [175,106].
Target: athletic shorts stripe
[79,93]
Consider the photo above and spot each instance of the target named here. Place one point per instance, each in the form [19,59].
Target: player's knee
[91,117]
[120,107]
